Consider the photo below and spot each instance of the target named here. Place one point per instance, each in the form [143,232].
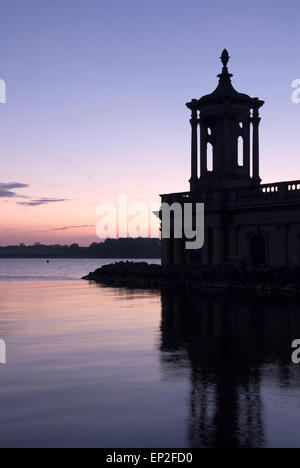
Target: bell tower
[225,124]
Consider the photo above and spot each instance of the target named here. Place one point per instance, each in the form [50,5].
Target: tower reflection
[228,346]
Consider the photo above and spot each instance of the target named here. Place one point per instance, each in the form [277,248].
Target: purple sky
[96,94]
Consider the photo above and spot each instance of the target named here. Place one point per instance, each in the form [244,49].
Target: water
[58,269]
[93,366]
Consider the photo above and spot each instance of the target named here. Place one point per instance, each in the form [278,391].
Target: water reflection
[231,347]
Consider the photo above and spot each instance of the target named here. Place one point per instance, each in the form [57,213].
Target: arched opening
[258,250]
[240,151]
[210,157]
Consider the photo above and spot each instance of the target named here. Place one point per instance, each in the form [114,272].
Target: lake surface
[93,366]
[58,269]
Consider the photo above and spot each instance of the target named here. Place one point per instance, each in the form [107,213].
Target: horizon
[99,241]
[96,107]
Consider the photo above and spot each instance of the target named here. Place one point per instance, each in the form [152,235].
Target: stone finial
[225,57]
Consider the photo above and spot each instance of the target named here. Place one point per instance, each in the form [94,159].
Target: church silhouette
[245,221]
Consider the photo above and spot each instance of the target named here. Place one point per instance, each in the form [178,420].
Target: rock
[263,280]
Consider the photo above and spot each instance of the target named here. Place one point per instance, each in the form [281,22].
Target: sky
[96,94]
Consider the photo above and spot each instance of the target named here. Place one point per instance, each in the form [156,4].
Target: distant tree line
[110,248]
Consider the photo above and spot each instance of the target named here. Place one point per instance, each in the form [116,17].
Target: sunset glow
[96,107]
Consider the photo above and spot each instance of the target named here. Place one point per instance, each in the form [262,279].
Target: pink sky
[96,104]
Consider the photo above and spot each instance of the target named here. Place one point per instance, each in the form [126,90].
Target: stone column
[166,252]
[286,243]
[178,252]
[247,147]
[256,121]
[232,243]
[194,149]
[218,245]
[203,149]
[227,137]
[205,259]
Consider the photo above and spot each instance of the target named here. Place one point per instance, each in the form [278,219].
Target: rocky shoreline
[225,278]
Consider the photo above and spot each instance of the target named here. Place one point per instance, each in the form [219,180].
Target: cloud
[13,185]
[42,201]
[7,194]
[66,228]
[6,190]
